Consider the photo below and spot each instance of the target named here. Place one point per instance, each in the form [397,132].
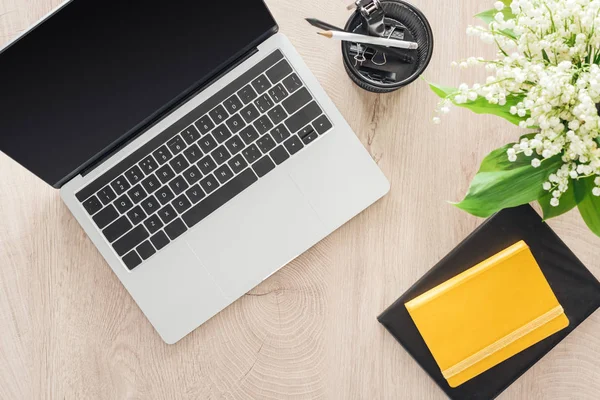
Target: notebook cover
[487,314]
[576,289]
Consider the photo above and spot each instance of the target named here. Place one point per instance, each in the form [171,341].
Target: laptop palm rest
[241,245]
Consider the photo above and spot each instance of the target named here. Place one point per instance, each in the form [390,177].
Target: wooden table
[68,329]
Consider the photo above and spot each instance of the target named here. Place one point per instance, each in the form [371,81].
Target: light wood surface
[69,330]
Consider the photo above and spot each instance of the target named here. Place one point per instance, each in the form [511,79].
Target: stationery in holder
[487,314]
[575,289]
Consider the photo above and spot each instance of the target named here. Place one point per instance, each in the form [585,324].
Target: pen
[364,39]
[389,50]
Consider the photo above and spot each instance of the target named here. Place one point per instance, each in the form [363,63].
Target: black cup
[398,70]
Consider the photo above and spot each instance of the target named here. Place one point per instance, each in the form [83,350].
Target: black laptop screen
[88,76]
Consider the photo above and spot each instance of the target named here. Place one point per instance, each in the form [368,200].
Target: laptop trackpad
[255,234]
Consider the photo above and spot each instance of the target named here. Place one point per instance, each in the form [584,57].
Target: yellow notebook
[487,314]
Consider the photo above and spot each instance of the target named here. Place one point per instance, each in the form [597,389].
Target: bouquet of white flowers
[546,79]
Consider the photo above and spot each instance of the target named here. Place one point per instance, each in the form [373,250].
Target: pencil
[364,39]
[389,50]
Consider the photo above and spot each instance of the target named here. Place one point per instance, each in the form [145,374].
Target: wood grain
[69,330]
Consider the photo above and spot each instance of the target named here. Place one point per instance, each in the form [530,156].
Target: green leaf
[567,203]
[442,91]
[503,184]
[588,204]
[598,140]
[481,105]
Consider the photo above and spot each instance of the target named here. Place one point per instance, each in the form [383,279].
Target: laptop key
[120,185]
[193,153]
[123,204]
[224,174]
[175,229]
[137,194]
[263,166]
[218,114]
[151,184]
[310,137]
[235,123]
[148,165]
[278,93]
[160,240]
[238,164]
[209,184]
[247,94]
[167,214]
[153,224]
[207,165]
[117,229]
[176,145]
[292,83]
[234,145]
[192,175]
[277,115]
[249,134]
[164,195]
[195,194]
[132,260]
[181,204]
[264,103]
[251,153]
[250,113]
[293,145]
[136,215]
[178,185]
[207,144]
[165,174]
[266,144]
[204,125]
[303,117]
[279,71]
[322,124]
[263,124]
[190,134]
[106,216]
[280,133]
[130,240]
[297,101]
[220,155]
[150,205]
[106,195]
[233,104]
[162,155]
[92,205]
[179,164]
[261,84]
[134,175]
[221,133]
[231,189]
[145,250]
[279,155]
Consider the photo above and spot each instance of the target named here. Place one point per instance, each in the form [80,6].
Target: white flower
[535,163]
[445,110]
[596,191]
[597,181]
[437,120]
[547,186]
[554,202]
[499,5]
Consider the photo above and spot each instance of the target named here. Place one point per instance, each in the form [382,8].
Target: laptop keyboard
[204,160]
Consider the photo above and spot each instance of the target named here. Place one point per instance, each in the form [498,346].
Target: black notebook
[577,290]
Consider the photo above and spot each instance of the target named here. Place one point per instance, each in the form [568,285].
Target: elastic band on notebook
[502,343]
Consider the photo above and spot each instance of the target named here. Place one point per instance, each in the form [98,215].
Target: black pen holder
[377,72]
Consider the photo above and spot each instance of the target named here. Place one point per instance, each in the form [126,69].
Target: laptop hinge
[146,125]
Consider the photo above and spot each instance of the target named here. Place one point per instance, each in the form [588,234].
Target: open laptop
[188,139]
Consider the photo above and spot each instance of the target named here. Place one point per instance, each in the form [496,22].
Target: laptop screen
[90,75]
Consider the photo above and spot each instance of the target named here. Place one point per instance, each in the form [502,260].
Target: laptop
[189,140]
